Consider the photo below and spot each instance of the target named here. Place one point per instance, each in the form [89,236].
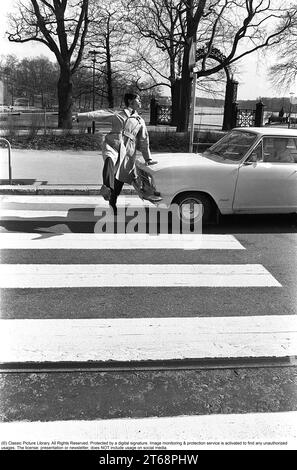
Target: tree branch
[83,17]
[42,26]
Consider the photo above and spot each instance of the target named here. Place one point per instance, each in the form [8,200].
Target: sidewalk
[49,172]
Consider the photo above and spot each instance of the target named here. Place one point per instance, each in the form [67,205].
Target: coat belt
[129,135]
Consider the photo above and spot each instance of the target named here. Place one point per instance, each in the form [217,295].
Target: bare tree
[62,26]
[233,27]
[157,49]
[37,79]
[107,36]
[284,74]
[9,74]
[32,78]
[237,28]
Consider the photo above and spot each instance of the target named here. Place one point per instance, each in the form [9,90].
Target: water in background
[207,116]
[212,118]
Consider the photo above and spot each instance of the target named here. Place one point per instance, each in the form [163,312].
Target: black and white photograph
[148,228]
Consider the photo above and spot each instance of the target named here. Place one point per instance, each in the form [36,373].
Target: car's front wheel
[192,207]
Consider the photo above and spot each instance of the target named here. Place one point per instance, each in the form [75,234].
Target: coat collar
[128,113]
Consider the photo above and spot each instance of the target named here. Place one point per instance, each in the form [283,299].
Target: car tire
[193,206]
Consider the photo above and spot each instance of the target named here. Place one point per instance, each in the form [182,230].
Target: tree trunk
[109,89]
[185,94]
[109,83]
[65,99]
[176,101]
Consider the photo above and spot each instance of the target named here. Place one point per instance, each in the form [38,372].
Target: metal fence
[246,117]
[24,120]
[36,123]
[164,114]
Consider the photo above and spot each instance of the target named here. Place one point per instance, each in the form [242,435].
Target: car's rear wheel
[192,207]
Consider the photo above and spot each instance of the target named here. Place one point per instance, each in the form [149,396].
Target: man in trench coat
[128,133]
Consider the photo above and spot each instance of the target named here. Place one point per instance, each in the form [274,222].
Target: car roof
[279,131]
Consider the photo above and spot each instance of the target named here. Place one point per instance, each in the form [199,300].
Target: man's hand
[75,117]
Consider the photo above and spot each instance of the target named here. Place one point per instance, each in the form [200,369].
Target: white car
[248,171]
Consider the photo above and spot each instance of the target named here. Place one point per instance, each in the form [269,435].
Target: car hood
[176,160]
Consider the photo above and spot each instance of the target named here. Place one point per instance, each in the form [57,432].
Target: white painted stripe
[40,215]
[64,199]
[142,339]
[135,275]
[231,431]
[117,241]
[94,204]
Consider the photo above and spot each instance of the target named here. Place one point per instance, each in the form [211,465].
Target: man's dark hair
[129,97]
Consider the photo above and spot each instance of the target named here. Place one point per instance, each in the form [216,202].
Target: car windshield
[232,147]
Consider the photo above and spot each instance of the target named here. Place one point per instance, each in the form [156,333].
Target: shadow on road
[86,220]
[25,182]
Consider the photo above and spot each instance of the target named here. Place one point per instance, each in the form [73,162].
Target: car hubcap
[191,210]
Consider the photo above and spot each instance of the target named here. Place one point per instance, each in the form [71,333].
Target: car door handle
[249,163]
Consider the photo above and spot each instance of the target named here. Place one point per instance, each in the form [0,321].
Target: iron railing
[245,117]
[164,114]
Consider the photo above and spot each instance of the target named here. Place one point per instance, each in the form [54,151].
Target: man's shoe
[105,192]
[152,198]
[149,196]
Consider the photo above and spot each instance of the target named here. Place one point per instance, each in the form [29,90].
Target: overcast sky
[253,80]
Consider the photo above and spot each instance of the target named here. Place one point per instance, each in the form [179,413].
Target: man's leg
[108,178]
[118,185]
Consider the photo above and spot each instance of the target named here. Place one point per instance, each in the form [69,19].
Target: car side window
[294,149]
[279,150]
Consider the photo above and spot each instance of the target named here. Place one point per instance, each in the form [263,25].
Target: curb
[82,190]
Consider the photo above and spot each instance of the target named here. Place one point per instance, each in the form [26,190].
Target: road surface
[146,338]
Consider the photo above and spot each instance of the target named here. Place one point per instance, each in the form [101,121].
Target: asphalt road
[269,241]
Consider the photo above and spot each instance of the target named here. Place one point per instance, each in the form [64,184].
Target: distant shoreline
[274,105]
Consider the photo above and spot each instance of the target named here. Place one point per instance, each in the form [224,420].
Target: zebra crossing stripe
[11,200]
[73,208]
[145,339]
[135,275]
[228,431]
[7,214]
[117,241]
